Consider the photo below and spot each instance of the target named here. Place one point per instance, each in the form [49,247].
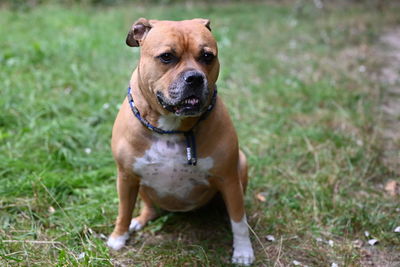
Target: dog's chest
[164,168]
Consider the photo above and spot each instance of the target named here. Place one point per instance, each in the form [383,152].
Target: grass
[299,85]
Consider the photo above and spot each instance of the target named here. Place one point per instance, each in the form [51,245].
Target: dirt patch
[390,106]
[373,257]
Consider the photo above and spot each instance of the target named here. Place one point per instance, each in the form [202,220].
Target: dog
[173,141]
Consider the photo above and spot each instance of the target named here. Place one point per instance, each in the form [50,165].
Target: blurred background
[312,87]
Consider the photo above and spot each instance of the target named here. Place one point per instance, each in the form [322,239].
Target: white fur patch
[169,122]
[164,168]
[135,226]
[118,242]
[242,251]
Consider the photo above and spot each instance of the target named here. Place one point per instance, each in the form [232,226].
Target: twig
[279,254]
[258,239]
[13,253]
[313,151]
[204,253]
[33,242]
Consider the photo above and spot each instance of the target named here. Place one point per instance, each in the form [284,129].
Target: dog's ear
[205,22]
[138,32]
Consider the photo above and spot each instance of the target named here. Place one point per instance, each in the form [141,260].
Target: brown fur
[215,136]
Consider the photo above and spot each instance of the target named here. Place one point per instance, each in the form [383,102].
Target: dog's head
[178,65]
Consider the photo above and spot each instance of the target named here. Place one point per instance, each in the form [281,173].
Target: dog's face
[178,65]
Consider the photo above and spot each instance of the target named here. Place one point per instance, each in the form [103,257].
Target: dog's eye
[166,58]
[207,57]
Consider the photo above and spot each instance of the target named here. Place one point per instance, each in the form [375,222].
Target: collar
[189,135]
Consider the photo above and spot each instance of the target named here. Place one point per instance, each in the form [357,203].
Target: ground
[389,50]
[311,87]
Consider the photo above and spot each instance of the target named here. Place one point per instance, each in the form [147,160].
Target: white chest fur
[164,168]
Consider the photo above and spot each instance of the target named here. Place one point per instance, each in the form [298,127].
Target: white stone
[81,255]
[373,242]
[270,238]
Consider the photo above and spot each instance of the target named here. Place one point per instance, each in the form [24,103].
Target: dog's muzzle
[187,95]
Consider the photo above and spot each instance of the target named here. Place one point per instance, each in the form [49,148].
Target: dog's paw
[135,226]
[117,242]
[243,256]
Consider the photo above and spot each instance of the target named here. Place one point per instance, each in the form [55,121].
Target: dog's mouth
[191,105]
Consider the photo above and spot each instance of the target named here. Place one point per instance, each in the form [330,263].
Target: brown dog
[173,140]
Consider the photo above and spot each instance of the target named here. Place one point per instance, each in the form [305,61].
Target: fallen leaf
[261,197]
[392,188]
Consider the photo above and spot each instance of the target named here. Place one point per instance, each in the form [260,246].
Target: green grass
[306,117]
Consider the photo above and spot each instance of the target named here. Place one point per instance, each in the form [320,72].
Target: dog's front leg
[128,187]
[232,192]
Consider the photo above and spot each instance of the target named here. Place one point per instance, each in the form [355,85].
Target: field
[302,86]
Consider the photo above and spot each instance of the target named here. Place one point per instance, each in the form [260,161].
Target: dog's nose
[193,78]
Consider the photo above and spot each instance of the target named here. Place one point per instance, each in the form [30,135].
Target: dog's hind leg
[147,213]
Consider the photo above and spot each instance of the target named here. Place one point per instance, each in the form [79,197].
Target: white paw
[243,256]
[242,251]
[135,226]
[118,242]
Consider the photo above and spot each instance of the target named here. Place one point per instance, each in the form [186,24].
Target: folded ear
[205,22]
[138,32]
